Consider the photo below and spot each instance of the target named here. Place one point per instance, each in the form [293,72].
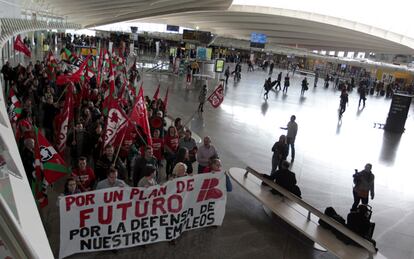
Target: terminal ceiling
[282,26]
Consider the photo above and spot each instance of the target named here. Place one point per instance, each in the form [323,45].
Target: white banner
[117,218]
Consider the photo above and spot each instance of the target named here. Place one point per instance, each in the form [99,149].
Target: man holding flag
[49,167]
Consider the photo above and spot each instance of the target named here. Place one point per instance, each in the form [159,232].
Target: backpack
[330,212]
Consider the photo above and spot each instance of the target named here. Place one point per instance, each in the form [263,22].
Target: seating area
[302,216]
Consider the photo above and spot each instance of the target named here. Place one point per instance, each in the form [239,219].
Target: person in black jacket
[358,221]
[280,152]
[108,161]
[362,95]
[267,86]
[278,81]
[287,179]
[6,70]
[141,163]
[304,86]
[28,158]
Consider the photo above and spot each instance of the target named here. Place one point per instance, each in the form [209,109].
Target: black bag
[382,92]
[330,212]
[371,91]
[296,191]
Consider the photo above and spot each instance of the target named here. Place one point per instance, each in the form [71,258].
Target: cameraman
[364,184]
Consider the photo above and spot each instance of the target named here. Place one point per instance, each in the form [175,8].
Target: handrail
[12,235]
[312,210]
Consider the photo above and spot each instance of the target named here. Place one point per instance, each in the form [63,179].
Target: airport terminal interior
[295,39]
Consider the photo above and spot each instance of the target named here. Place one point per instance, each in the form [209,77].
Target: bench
[302,216]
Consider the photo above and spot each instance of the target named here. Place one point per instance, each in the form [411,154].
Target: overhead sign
[118,218]
[400,106]
[173,28]
[258,40]
[201,36]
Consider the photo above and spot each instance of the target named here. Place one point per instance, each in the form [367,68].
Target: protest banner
[217,97]
[117,218]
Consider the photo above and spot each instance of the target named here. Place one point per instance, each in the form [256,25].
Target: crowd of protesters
[94,165]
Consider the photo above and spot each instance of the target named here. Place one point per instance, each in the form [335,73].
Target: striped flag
[54,166]
[68,56]
[15,108]
[62,120]
[49,167]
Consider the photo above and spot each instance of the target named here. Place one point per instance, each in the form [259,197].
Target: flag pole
[64,91]
[119,148]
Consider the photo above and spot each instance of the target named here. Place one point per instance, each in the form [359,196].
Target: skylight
[392,16]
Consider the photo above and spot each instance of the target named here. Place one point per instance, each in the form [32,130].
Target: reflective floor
[328,150]
[245,127]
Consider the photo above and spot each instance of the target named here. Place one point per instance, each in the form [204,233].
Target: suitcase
[371,91]
[382,92]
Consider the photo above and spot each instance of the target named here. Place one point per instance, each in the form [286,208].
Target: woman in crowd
[170,147]
[180,170]
[71,187]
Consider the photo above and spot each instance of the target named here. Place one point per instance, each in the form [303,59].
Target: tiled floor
[244,129]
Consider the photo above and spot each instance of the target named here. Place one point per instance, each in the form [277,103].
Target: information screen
[219,66]
[201,36]
[258,40]
[173,28]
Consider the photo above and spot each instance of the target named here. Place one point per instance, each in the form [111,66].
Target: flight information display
[201,36]
[173,28]
[258,40]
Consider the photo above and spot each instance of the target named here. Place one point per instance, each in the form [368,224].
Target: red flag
[15,108]
[51,66]
[98,78]
[63,119]
[53,164]
[109,93]
[166,100]
[139,115]
[49,167]
[39,191]
[217,97]
[74,77]
[19,46]
[121,92]
[156,93]
[115,124]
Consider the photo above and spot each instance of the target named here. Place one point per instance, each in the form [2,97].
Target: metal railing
[12,26]
[12,235]
[312,210]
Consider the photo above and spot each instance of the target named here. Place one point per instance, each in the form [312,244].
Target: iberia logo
[208,190]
